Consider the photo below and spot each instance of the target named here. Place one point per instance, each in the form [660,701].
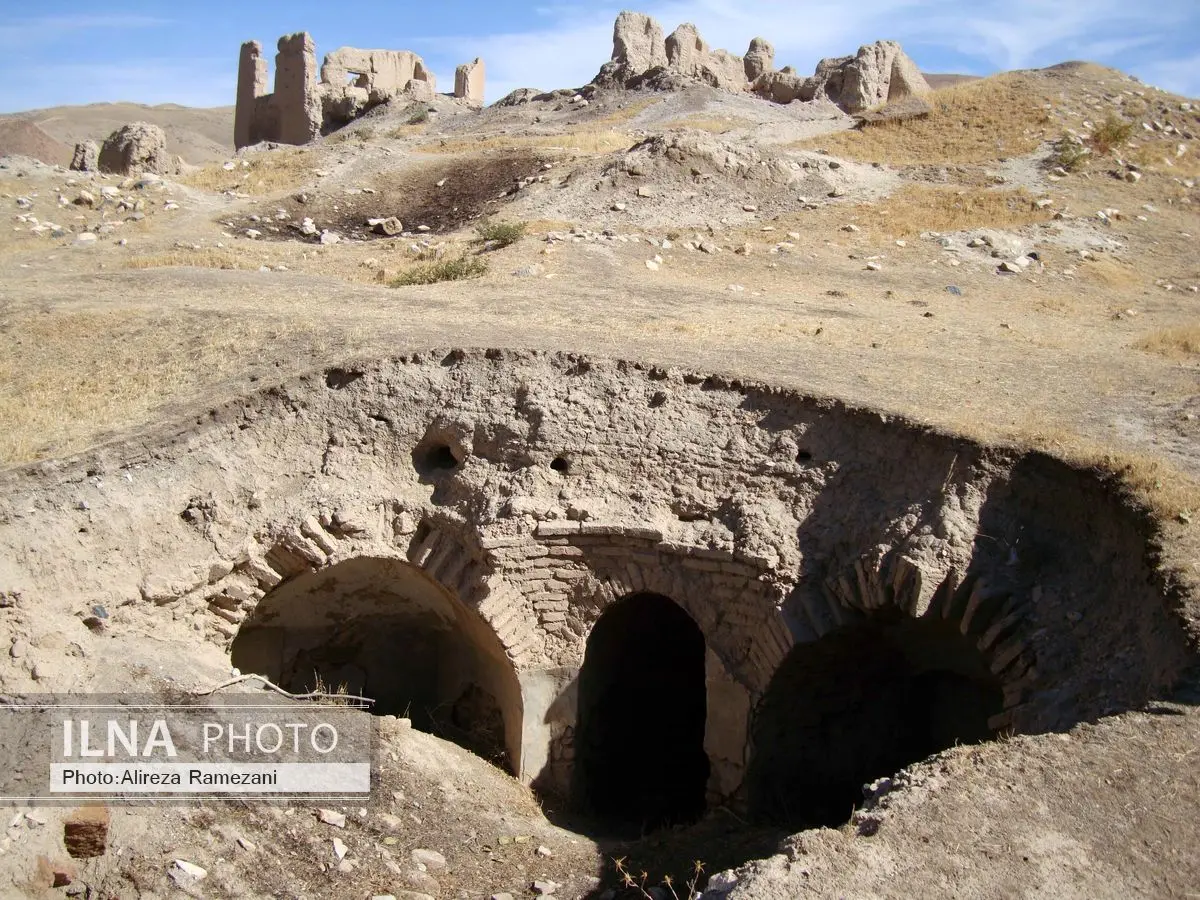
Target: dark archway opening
[640,760]
[860,704]
[380,628]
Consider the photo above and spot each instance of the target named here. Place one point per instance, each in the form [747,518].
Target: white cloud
[47,29]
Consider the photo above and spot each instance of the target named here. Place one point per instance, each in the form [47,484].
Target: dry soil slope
[20,137]
[946,79]
[197,134]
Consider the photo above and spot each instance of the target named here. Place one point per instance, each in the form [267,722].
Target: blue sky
[56,52]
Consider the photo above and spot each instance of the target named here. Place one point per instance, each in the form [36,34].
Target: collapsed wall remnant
[295,90]
[690,56]
[468,82]
[86,157]
[878,73]
[612,576]
[134,149]
[759,59]
[307,103]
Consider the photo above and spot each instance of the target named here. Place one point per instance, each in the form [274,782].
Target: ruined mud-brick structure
[879,73]
[647,590]
[468,82]
[351,82]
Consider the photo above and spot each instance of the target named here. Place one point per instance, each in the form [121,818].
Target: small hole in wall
[561,464]
[438,458]
[336,379]
[804,456]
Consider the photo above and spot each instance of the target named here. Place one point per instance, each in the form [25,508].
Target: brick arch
[991,618]
[737,612]
[462,566]
[452,559]
[364,604]
[879,679]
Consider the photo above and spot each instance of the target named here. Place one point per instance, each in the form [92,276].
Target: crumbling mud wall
[307,103]
[469,81]
[879,73]
[488,510]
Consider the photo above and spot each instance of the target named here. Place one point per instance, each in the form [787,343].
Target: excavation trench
[648,594]
[570,580]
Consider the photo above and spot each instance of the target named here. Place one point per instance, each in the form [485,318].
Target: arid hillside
[882,428]
[198,135]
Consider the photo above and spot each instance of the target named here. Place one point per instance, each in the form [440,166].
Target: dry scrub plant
[261,174]
[500,234]
[1110,135]
[638,882]
[453,269]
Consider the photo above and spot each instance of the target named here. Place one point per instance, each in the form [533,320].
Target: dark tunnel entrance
[381,628]
[859,704]
[640,760]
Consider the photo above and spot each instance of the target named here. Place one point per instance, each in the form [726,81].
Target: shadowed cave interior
[860,704]
[379,628]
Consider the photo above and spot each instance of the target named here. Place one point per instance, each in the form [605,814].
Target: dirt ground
[886,289]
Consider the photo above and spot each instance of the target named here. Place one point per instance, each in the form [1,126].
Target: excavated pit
[646,593]
[441,196]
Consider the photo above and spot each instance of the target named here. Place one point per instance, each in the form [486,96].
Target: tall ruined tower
[296,96]
[252,84]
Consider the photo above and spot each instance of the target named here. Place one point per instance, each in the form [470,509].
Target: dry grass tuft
[205,258]
[60,386]
[1110,272]
[591,141]
[270,172]
[598,136]
[1181,342]
[541,226]
[1160,155]
[627,112]
[1168,493]
[916,208]
[973,122]
[412,129]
